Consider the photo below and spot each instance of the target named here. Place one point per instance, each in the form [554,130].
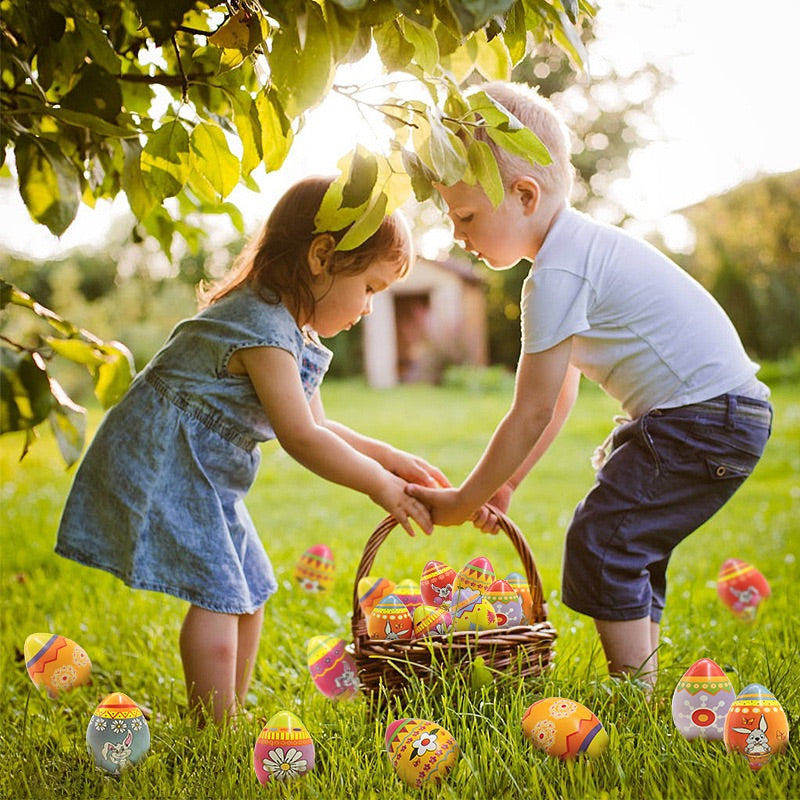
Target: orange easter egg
[564,729]
[371,591]
[756,726]
[56,663]
[390,619]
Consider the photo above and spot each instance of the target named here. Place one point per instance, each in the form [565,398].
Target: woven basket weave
[524,649]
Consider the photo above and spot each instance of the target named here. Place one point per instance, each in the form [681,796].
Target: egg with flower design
[284,749]
[506,604]
[315,571]
[420,752]
[564,729]
[56,663]
[118,735]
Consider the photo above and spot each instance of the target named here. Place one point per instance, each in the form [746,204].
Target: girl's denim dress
[158,499]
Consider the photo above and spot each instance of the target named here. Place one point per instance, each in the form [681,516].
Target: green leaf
[162,17]
[245,118]
[115,374]
[394,49]
[484,167]
[422,178]
[48,182]
[68,423]
[78,350]
[366,224]
[213,159]
[426,48]
[523,142]
[302,71]
[360,179]
[132,181]
[474,14]
[493,61]
[100,48]
[448,154]
[166,160]
[96,93]
[276,134]
[82,119]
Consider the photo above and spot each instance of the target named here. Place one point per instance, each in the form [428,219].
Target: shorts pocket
[726,470]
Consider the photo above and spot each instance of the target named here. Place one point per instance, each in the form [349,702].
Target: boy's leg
[249,637]
[209,646]
[631,647]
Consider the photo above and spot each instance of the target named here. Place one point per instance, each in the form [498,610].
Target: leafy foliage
[175,103]
[29,395]
[185,99]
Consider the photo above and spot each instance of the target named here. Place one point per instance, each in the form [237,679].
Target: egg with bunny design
[756,726]
[118,735]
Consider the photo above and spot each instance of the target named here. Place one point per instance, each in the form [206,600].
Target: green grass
[132,636]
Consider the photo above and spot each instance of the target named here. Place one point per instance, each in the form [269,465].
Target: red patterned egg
[431,621]
[56,663]
[284,749]
[506,604]
[701,700]
[756,726]
[408,591]
[742,588]
[477,574]
[564,729]
[316,569]
[420,752]
[332,668]
[390,619]
[436,583]
[371,591]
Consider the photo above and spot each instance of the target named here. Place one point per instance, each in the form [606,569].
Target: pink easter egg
[477,574]
[284,749]
[315,571]
[332,668]
[408,591]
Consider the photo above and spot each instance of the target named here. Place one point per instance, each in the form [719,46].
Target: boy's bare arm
[541,377]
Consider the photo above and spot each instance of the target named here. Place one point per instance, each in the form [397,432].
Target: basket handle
[508,527]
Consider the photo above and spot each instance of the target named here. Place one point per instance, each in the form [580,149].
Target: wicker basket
[525,649]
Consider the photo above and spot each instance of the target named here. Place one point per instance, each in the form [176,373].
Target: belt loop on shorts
[730,414]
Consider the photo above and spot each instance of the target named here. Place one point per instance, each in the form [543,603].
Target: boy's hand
[414,469]
[402,506]
[445,505]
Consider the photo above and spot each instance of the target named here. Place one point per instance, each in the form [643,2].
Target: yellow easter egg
[421,752]
[56,663]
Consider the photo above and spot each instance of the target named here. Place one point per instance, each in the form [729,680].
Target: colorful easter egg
[742,588]
[408,591]
[756,726]
[420,752]
[56,663]
[431,621]
[316,569]
[390,619]
[371,591]
[564,729]
[519,583]
[436,583]
[332,668]
[477,574]
[118,735]
[284,749]
[506,604]
[701,700]
[471,611]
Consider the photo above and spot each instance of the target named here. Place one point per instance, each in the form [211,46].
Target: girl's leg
[209,648]
[631,647]
[249,637]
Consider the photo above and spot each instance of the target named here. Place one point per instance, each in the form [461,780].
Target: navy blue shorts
[667,473]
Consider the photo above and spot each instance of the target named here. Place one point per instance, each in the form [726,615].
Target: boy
[600,303]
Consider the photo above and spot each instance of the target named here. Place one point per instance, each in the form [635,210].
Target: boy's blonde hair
[275,261]
[538,114]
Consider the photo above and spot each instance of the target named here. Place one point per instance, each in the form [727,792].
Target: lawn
[132,636]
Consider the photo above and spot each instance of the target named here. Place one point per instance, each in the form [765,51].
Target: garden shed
[434,318]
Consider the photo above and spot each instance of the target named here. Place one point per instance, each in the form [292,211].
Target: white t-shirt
[642,327]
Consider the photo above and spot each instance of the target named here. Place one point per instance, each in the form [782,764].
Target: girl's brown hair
[275,261]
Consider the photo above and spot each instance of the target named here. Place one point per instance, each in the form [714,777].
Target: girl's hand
[413,469]
[393,497]
[485,520]
[446,506]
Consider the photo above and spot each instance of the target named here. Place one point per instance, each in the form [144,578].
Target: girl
[158,499]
